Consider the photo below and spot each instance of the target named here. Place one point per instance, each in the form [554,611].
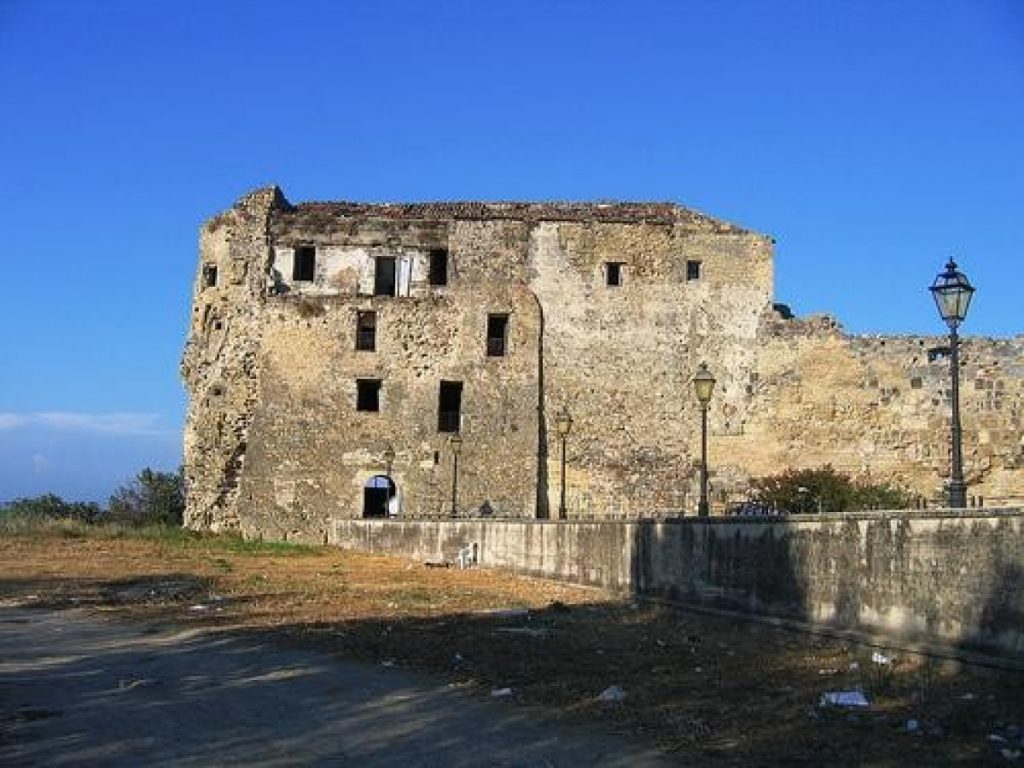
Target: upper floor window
[449,406]
[613,273]
[209,275]
[366,331]
[439,267]
[497,335]
[693,270]
[367,394]
[384,276]
[305,263]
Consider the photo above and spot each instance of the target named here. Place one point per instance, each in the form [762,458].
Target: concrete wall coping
[973,513]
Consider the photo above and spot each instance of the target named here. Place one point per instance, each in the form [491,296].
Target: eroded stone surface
[275,445]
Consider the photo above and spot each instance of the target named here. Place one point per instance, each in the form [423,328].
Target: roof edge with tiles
[314,213]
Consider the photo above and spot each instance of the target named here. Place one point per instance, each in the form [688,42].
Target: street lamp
[704,385]
[564,426]
[456,445]
[389,460]
[952,293]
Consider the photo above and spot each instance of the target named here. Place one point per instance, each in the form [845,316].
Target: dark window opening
[305,263]
[439,267]
[209,275]
[384,276]
[497,335]
[367,394]
[378,494]
[217,325]
[449,406]
[693,270]
[366,331]
[613,273]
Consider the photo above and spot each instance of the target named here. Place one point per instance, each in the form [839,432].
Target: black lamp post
[952,293]
[564,426]
[704,385]
[389,460]
[456,445]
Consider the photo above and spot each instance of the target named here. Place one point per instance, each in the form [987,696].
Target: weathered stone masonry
[606,309]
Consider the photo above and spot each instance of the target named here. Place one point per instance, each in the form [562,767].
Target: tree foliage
[807,491]
[151,498]
[50,506]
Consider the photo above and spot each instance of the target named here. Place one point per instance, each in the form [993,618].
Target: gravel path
[77,690]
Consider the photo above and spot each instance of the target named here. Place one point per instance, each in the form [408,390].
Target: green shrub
[807,491]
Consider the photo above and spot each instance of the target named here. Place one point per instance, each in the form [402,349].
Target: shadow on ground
[699,688]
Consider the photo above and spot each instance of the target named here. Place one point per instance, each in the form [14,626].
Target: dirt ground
[703,689]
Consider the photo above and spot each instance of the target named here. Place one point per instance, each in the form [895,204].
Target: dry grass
[707,689]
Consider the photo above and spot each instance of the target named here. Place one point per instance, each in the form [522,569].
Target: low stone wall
[939,576]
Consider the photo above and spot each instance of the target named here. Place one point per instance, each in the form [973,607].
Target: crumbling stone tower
[335,348]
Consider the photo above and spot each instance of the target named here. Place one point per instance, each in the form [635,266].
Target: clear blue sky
[872,139]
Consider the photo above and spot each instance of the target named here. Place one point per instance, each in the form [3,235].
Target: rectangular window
[366,331]
[367,394]
[439,267]
[209,275]
[449,406]
[613,273]
[692,270]
[384,276]
[497,335]
[305,263]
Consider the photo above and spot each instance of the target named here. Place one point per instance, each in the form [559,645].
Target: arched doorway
[379,496]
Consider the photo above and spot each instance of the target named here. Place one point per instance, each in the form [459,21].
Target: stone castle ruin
[335,348]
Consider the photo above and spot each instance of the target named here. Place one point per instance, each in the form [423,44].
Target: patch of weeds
[232,542]
[223,565]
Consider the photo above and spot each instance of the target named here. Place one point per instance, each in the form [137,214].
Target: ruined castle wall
[276,446]
[621,357]
[311,452]
[220,362]
[877,406]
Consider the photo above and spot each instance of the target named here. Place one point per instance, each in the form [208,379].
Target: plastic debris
[854,666]
[500,693]
[388,663]
[881,658]
[912,726]
[613,694]
[828,672]
[1010,754]
[844,699]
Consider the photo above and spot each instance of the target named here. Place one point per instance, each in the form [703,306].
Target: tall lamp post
[456,445]
[952,293]
[564,425]
[704,385]
[389,461]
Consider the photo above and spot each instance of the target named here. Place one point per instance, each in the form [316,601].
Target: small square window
[209,275]
[304,268]
[367,394]
[366,331]
[497,335]
[439,267]
[613,273]
[692,270]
